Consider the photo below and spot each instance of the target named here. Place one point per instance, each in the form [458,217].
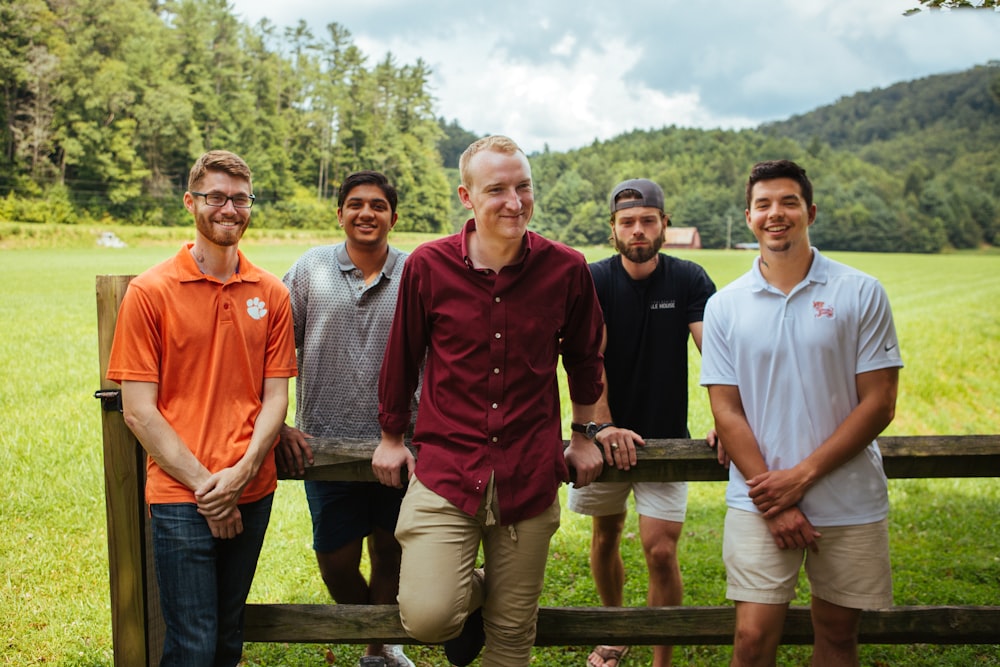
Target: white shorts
[666,501]
[851,569]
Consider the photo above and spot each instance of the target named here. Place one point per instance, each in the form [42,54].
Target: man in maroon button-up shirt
[488,311]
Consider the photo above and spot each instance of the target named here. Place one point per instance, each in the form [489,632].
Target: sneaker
[464,648]
[372,661]
[394,656]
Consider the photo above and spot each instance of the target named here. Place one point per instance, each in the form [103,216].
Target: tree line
[105,104]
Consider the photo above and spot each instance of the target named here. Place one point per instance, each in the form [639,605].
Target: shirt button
[494,438]
[496,335]
[496,299]
[494,406]
[496,371]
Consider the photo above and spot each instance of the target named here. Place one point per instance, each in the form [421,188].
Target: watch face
[592,430]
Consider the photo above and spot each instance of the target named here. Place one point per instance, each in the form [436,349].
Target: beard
[779,246]
[640,254]
[221,235]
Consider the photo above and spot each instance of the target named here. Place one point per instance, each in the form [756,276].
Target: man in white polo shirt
[801,362]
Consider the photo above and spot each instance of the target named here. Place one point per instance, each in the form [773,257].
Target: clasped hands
[776,493]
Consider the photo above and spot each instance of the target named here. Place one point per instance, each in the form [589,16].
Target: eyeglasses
[219,199]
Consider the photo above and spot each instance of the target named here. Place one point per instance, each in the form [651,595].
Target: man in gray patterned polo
[343,300]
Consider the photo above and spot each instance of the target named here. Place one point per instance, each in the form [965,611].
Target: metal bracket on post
[111,399]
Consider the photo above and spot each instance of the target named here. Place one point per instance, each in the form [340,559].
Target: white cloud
[563,104]
[565,72]
[564,47]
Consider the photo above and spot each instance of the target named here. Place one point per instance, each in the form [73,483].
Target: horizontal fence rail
[671,460]
[677,460]
[570,626]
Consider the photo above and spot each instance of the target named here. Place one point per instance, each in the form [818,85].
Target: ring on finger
[614,446]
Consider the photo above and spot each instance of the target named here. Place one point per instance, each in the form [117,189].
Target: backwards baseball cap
[650,195]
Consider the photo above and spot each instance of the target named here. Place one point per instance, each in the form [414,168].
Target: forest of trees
[104,104]
[910,168]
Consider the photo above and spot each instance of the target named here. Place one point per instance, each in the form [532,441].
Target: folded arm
[789,527]
[776,490]
[220,493]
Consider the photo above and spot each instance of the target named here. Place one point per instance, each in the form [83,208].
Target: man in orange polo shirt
[203,350]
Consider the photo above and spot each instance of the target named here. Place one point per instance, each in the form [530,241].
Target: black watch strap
[598,428]
[590,429]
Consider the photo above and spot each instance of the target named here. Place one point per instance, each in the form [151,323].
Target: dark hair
[367,177]
[771,169]
[628,193]
[224,161]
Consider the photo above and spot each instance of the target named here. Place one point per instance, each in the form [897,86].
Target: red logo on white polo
[822,310]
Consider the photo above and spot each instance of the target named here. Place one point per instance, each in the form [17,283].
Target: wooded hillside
[911,168]
[104,104]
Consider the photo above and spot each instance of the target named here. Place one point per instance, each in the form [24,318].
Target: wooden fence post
[136,622]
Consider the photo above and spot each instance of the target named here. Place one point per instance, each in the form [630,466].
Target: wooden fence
[137,628]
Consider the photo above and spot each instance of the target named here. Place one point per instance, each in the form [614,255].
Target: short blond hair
[224,161]
[496,142]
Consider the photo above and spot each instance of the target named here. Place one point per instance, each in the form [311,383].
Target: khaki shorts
[658,500]
[851,569]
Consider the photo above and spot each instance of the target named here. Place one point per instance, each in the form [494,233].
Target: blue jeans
[204,582]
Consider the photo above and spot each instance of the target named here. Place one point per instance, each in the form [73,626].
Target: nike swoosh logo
[888,348]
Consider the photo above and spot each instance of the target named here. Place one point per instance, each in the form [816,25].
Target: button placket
[497,352]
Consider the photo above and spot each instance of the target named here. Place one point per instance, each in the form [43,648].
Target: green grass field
[54,605]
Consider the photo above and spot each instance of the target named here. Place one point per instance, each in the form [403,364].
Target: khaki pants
[437,587]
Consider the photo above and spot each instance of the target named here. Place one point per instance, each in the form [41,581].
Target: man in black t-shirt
[652,302]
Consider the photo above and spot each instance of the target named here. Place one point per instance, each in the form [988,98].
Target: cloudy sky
[566,72]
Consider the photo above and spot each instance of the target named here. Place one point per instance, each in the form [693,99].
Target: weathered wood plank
[136,627]
[564,626]
[681,459]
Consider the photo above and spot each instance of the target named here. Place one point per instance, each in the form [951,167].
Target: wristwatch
[590,429]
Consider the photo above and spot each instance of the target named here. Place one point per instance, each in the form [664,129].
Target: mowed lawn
[54,605]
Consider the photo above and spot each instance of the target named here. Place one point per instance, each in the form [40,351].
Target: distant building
[683,237]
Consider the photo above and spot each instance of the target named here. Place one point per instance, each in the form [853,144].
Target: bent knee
[430,623]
